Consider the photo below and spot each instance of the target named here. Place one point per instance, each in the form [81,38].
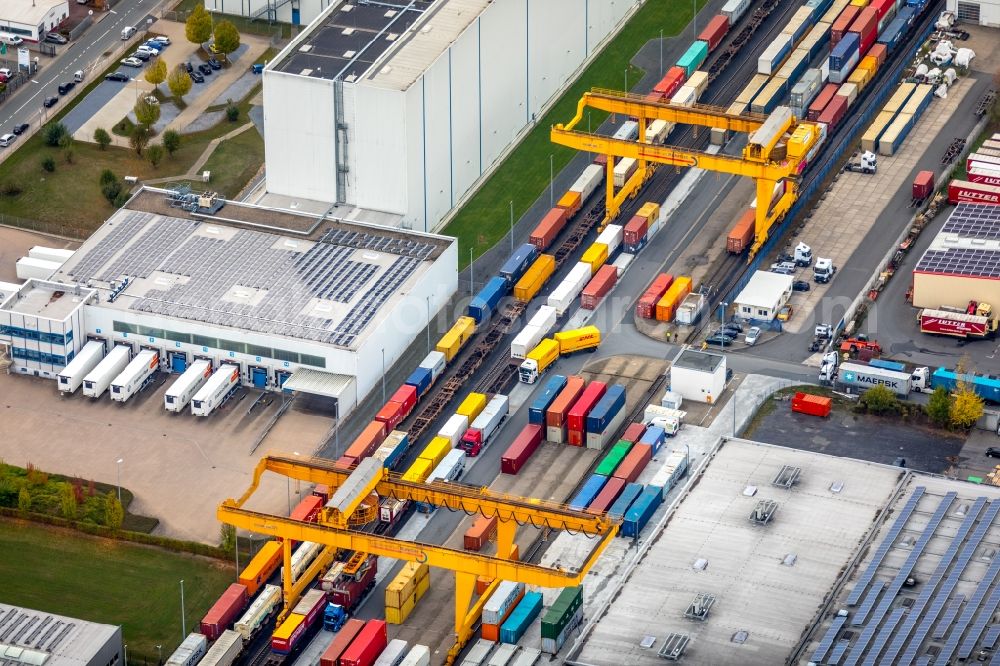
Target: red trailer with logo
[225,611]
[521,450]
[576,418]
[962,191]
[670,83]
[367,645]
[646,307]
[983,176]
[716,29]
[956,324]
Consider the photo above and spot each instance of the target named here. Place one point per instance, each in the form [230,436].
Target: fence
[49,228]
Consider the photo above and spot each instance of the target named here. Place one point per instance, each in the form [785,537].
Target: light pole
[236,542]
[552,181]
[383,375]
[126,654]
[472,282]
[118,463]
[626,78]
[159,649]
[661,51]
[336,434]
[428,324]
[722,323]
[694,17]
[183,620]
[512,226]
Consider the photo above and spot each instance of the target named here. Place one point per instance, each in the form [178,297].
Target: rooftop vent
[385,70]
[673,646]
[790,560]
[763,512]
[306,72]
[426,29]
[350,54]
[347,7]
[351,78]
[750,491]
[700,606]
[306,48]
[392,36]
[390,13]
[836,486]
[700,564]
[787,476]
[647,642]
[740,637]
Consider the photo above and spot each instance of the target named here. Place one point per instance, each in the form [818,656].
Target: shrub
[111,190]
[114,513]
[121,200]
[108,176]
[939,407]
[102,138]
[53,134]
[232,112]
[171,141]
[12,188]
[880,400]
[24,501]
[69,155]
[67,502]
[48,163]
[154,154]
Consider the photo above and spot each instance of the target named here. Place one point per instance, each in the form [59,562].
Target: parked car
[49,102]
[66,87]
[733,326]
[214,63]
[784,267]
[993,452]
[204,69]
[6,74]
[142,55]
[118,76]
[56,38]
[188,67]
[752,336]
[20,129]
[785,313]
[162,39]
[132,62]
[719,338]
[151,50]
[800,285]
[155,45]
[196,76]
[7,139]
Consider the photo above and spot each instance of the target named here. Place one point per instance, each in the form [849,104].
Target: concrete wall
[989,11]
[696,385]
[933,291]
[308,9]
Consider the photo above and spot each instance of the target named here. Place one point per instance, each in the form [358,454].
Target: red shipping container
[390,414]
[225,611]
[549,228]
[346,462]
[598,287]
[635,230]
[602,160]
[577,415]
[634,462]
[671,81]
[923,185]
[882,7]
[716,29]
[523,447]
[406,395]
[960,191]
[866,27]
[822,100]
[609,493]
[814,405]
[341,642]
[983,176]
[634,432]
[369,440]
[879,52]
[307,510]
[555,415]
[575,437]
[481,531]
[741,235]
[842,23]
[367,645]
[834,111]
[646,307]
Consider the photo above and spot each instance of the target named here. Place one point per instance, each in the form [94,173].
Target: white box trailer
[525,341]
[454,428]
[435,362]
[39,269]
[419,655]
[50,254]
[588,181]
[612,237]
[393,653]
[99,379]
[215,390]
[132,378]
[224,651]
[571,286]
[71,377]
[545,318]
[183,389]
[451,467]
[623,170]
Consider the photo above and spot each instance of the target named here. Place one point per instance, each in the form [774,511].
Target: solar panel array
[31,629]
[122,233]
[962,623]
[961,261]
[974,221]
[158,240]
[884,547]
[404,247]
[827,641]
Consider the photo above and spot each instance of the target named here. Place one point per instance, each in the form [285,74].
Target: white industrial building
[698,376]
[270,291]
[401,108]
[31,21]
[33,638]
[296,12]
[984,12]
[765,294]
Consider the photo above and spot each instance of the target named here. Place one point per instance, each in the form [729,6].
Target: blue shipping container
[888,365]
[624,501]
[521,617]
[985,387]
[641,511]
[840,75]
[907,14]
[483,304]
[589,491]
[819,7]
[654,437]
[518,263]
[606,409]
[397,453]
[420,379]
[536,412]
[924,94]
[843,51]
[893,33]
[693,57]
[634,249]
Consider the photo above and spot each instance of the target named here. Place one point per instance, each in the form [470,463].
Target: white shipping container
[685,96]
[598,440]
[690,309]
[215,390]
[454,428]
[493,413]
[419,655]
[99,379]
[657,131]
[39,269]
[699,81]
[184,387]
[734,9]
[612,237]
[69,378]
[435,362]
[304,555]
[131,379]
[451,467]
[622,262]
[501,601]
[544,319]
[224,651]
[525,341]
[629,131]
[190,651]
[55,254]
[588,181]
[770,60]
[393,653]
[479,653]
[261,608]
[623,170]
[571,286]
[848,90]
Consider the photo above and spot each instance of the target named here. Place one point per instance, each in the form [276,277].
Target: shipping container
[879,52]
[472,406]
[518,262]
[391,414]
[844,56]
[433,364]
[225,651]
[595,255]
[869,140]
[973,161]
[657,131]
[634,234]
[598,287]
[804,92]
[479,653]
[814,405]
[589,397]
[611,237]
[832,11]
[962,191]
[741,235]
[607,497]
[816,40]
[566,291]
[561,619]
[646,306]
[535,277]
[680,288]
[625,499]
[653,438]
[392,449]
[923,184]
[633,432]
[421,379]
[886,11]
[393,654]
[419,655]
[341,641]
[263,564]
[555,415]
[521,617]
[586,495]
[541,403]
[613,458]
[456,337]
[895,134]
[848,90]
[774,54]
[844,20]
[366,646]
[693,57]
[484,304]
[306,510]
[451,468]
[623,171]
[635,462]
[685,96]
[605,409]
[865,26]
[481,531]
[551,225]
[189,652]
[716,29]
[794,67]
[259,612]
[71,377]
[799,23]
[641,511]
[591,177]
[834,112]
[526,341]
[521,450]
[369,440]
[698,81]
[670,83]
[734,10]
[919,100]
[893,34]
[822,100]
[97,381]
[770,96]
[899,98]
[863,73]
[435,451]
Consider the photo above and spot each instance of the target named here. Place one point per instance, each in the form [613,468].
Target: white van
[127,32]
[12,40]
[78,75]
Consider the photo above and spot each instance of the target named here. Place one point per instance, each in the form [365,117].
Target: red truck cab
[472,442]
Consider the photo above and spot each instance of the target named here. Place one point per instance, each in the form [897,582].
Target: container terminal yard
[539,459]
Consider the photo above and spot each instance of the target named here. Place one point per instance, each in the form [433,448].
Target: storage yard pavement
[178,466]
[15,243]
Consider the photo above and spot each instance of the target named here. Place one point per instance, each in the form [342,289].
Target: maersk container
[99,379]
[190,651]
[538,407]
[521,617]
[483,304]
[71,377]
[589,491]
[844,57]
[517,263]
[693,57]
[775,53]
[804,92]
[454,428]
[641,511]
[420,379]
[734,9]
[184,388]
[654,437]
[624,501]
[222,382]
[606,409]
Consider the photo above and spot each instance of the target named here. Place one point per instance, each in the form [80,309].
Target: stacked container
[599,286]
[576,427]
[665,307]
[628,495]
[774,54]
[499,606]
[804,92]
[822,101]
[634,462]
[634,234]
[392,449]
[843,22]
[606,417]
[865,26]
[641,511]
[843,57]
[646,306]
[538,406]
[561,619]
[405,590]
[521,618]
[556,413]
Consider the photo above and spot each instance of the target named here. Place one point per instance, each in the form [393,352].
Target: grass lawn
[524,175]
[243,24]
[234,162]
[109,581]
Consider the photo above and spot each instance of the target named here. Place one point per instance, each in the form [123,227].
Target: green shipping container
[614,458]
[561,612]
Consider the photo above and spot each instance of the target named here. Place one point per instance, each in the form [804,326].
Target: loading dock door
[178,362]
[258,376]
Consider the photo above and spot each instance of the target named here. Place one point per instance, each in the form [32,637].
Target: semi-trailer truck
[184,388]
[485,425]
[868,376]
[135,374]
[223,381]
[957,324]
[71,377]
[549,350]
[99,379]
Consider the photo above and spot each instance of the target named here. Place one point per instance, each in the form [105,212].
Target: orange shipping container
[571,202]
[879,51]
[646,307]
[366,443]
[549,228]
[675,294]
[480,533]
[741,235]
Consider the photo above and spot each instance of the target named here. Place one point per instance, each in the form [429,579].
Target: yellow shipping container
[419,471]
[399,615]
[834,11]
[860,78]
[869,140]
[423,584]
[899,97]
[472,405]
[649,210]
[680,288]
[595,255]
[417,570]
[587,337]
[535,277]
[569,201]
[859,3]
[452,341]
[399,590]
[436,451]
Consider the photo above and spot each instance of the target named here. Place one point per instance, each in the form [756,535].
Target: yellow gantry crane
[775,153]
[338,528]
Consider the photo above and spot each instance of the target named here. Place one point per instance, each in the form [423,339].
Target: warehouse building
[962,263]
[764,296]
[404,110]
[296,12]
[698,376]
[36,638]
[31,21]
[268,290]
[984,12]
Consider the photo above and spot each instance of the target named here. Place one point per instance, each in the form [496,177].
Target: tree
[966,409]
[53,134]
[227,37]
[227,534]
[108,176]
[139,138]
[171,141]
[111,190]
[179,82]
[114,513]
[232,111]
[156,73]
[939,406]
[155,154]
[67,502]
[146,113]
[880,400]
[24,501]
[198,27]
[102,138]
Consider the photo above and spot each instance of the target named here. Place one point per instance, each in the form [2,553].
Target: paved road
[25,106]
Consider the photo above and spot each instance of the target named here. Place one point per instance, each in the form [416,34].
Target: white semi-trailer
[71,377]
[184,388]
[99,379]
[135,374]
[216,389]
[55,254]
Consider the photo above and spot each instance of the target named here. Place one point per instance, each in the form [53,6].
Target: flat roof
[36,637]
[326,286]
[28,13]
[764,289]
[760,601]
[691,359]
[318,382]
[43,298]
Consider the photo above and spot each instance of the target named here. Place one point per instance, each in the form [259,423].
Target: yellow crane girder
[638,106]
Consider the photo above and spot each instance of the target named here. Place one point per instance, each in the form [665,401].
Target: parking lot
[15,243]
